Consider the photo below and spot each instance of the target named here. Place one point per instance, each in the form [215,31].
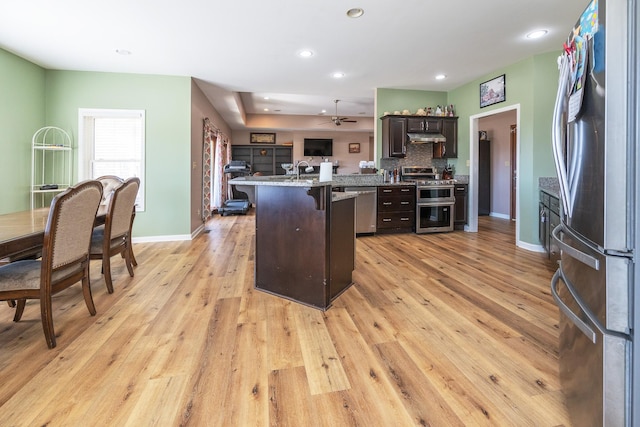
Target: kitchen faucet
[308,169]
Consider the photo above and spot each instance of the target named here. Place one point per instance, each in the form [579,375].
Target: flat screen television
[318,147]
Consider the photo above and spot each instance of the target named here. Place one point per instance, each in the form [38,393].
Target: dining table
[22,233]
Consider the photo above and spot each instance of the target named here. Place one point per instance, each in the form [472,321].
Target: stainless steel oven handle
[571,251]
[590,333]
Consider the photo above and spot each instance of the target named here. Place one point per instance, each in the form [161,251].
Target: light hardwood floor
[455,329]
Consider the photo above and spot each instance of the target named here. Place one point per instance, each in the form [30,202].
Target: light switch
[468,163]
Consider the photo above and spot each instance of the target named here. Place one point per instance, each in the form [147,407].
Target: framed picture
[492,91]
[354,147]
[262,138]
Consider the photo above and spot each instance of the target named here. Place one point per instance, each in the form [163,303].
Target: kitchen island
[305,238]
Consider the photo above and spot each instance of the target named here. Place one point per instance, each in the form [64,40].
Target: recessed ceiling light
[441,77]
[305,53]
[356,12]
[266,98]
[338,75]
[323,111]
[266,109]
[536,34]
[123,52]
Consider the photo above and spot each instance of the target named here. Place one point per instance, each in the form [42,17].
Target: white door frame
[472,224]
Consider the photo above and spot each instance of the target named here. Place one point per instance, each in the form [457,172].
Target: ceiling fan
[337,120]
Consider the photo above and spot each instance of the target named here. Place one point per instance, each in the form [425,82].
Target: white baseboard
[530,246]
[499,215]
[155,239]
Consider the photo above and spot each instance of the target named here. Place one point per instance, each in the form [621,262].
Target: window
[112,143]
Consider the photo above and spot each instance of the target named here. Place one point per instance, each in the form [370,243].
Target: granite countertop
[311,180]
[336,196]
[279,180]
[549,185]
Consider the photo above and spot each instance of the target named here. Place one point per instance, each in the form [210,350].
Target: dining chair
[109,184]
[65,256]
[114,237]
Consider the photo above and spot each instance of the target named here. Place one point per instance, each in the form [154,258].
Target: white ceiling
[248,48]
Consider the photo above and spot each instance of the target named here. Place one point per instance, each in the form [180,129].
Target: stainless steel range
[435,200]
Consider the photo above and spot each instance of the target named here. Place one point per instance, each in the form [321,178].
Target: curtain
[221,158]
[206,170]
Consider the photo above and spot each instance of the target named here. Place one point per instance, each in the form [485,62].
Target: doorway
[513,149]
[505,210]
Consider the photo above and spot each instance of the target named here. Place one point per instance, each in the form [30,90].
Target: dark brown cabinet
[266,159]
[394,136]
[549,218]
[424,125]
[305,243]
[396,128]
[396,208]
[460,192]
[448,149]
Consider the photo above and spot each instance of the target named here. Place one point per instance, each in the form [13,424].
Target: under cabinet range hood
[423,138]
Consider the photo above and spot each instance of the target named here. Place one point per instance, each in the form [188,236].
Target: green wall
[532,85]
[167,104]
[22,112]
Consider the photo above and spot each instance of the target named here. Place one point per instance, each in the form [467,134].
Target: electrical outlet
[198,212]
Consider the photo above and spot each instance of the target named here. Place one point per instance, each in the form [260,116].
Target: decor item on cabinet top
[440,110]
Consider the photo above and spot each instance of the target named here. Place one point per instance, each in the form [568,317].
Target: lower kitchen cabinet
[549,218]
[396,209]
[460,192]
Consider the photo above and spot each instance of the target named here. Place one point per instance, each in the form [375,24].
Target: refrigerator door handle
[556,134]
[590,333]
[571,251]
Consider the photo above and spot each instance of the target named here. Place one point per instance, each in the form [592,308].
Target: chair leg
[11,303]
[47,321]
[19,309]
[127,260]
[106,270]
[133,258]
[86,292]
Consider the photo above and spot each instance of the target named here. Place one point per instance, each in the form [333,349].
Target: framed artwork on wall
[262,138]
[493,91]
[354,147]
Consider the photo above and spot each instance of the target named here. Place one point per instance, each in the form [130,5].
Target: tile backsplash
[417,155]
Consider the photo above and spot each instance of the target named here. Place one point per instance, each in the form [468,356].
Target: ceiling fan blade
[348,121]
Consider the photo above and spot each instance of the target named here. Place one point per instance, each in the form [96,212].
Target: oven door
[435,193]
[434,217]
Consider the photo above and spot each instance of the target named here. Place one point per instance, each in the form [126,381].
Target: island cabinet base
[305,244]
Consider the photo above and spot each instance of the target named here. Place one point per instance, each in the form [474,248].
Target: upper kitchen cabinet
[394,136]
[449,149]
[424,124]
[396,128]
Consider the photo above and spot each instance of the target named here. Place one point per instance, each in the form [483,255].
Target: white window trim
[85,154]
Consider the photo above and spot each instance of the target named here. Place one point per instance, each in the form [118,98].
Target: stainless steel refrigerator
[595,134]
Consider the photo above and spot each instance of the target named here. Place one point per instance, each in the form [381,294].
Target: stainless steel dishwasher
[365,208]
